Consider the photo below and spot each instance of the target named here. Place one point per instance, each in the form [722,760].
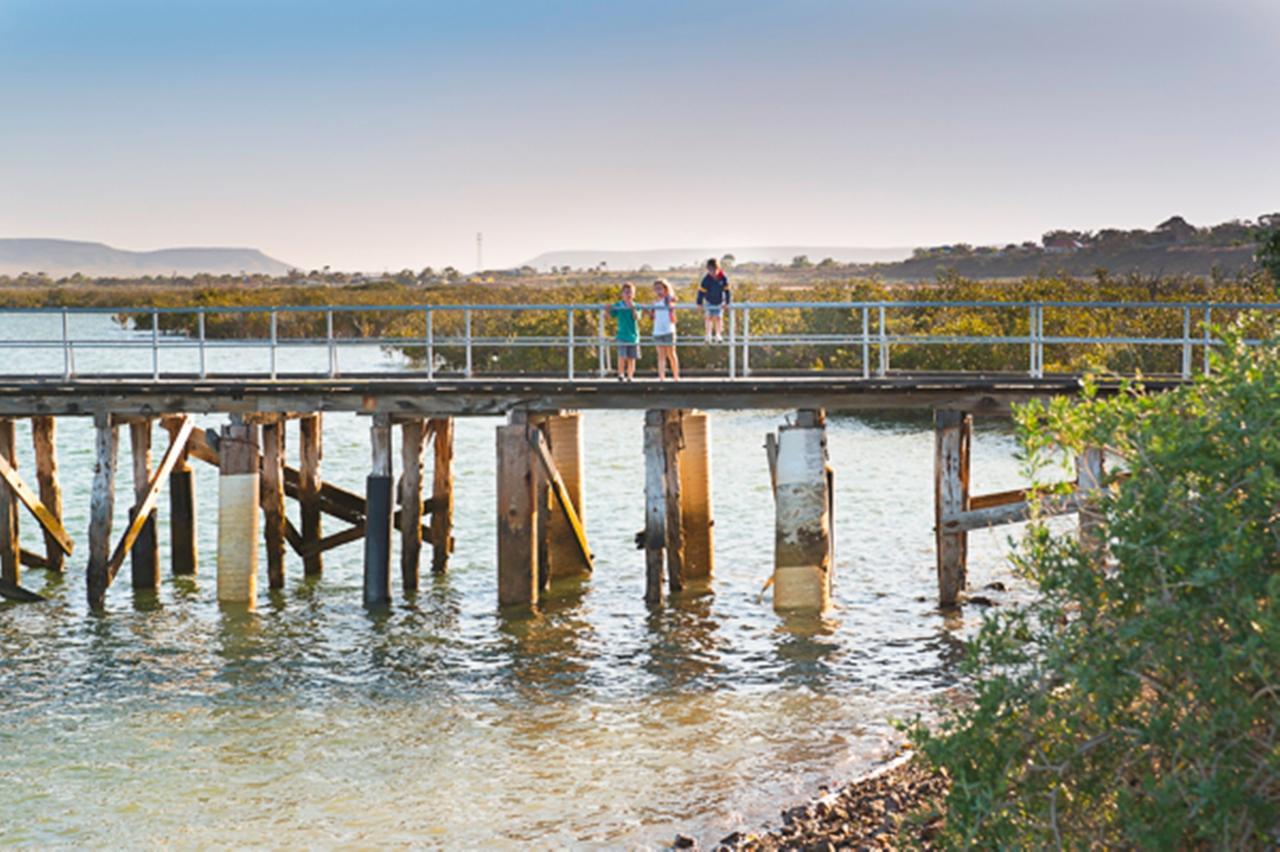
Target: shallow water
[310,721]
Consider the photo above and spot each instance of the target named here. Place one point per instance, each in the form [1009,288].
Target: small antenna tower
[479,251]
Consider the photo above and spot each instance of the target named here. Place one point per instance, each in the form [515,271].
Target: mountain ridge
[59,257]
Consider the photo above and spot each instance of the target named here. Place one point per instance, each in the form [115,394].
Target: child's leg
[662,362]
[708,323]
[631,368]
[675,363]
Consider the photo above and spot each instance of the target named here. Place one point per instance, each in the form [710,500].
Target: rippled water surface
[171,720]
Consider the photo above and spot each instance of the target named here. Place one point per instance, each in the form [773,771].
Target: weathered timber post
[310,451]
[43,432]
[101,506]
[272,496]
[379,507]
[672,441]
[517,517]
[655,506]
[1090,470]
[413,434]
[803,562]
[238,513]
[10,544]
[563,432]
[953,432]
[144,556]
[695,497]
[442,494]
[182,508]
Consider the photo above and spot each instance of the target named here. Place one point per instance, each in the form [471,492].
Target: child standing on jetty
[713,298]
[664,328]
[628,334]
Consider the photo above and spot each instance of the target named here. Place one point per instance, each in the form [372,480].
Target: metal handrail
[864,333]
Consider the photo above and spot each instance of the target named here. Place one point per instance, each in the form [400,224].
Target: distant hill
[667,258]
[1151,260]
[58,258]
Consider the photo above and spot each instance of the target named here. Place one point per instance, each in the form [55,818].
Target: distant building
[1061,243]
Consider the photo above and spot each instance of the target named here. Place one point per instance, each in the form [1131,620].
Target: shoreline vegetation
[601,288]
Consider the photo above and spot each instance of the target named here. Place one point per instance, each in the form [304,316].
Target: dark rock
[980,600]
[684,841]
[996,587]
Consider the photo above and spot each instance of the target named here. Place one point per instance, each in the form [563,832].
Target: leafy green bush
[1136,702]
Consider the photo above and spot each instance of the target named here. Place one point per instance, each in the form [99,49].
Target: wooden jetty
[539,468]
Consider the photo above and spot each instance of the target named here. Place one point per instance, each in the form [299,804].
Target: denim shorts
[664,339]
[628,350]
[713,310]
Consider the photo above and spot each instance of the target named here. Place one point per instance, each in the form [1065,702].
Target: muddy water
[310,721]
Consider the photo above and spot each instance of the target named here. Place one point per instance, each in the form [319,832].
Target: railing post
[1208,337]
[883,369]
[155,345]
[1186,342]
[746,342]
[601,345]
[570,344]
[866,342]
[1040,341]
[273,343]
[204,369]
[733,342]
[1031,339]
[67,366]
[466,321]
[431,347]
[333,344]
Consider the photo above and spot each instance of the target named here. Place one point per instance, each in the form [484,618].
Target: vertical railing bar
[601,347]
[1031,340]
[1186,342]
[431,346]
[155,345]
[883,368]
[466,319]
[66,347]
[1208,337]
[274,340]
[204,369]
[733,342]
[746,342]
[866,342]
[333,345]
[569,343]
[1040,341]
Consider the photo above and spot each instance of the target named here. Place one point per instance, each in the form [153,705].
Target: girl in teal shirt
[628,334]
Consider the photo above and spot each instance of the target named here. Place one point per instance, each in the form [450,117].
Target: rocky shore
[898,806]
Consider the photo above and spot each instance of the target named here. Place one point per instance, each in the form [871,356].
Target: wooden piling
[413,434]
[238,513]
[442,494]
[378,510]
[803,563]
[563,432]
[10,544]
[953,431]
[43,435]
[101,506]
[310,450]
[271,494]
[183,555]
[672,442]
[1090,470]
[517,520]
[695,496]
[144,557]
[655,506]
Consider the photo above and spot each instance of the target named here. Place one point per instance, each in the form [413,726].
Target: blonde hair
[666,288]
[627,285]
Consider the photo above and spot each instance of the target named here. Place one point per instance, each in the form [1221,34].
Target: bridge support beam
[184,558]
[101,507]
[677,537]
[378,511]
[272,496]
[441,493]
[1090,470]
[310,451]
[517,516]
[10,545]
[953,432]
[43,431]
[563,434]
[413,436]
[238,495]
[804,543]
[144,556]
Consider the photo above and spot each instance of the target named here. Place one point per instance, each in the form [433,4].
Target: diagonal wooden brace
[539,444]
[28,498]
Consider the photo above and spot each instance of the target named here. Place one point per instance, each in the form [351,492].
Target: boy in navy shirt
[713,298]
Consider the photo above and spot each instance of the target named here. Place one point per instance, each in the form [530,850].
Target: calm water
[309,721]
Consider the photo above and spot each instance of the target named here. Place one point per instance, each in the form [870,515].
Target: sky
[378,135]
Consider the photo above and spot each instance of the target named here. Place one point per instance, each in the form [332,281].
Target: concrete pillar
[238,514]
[953,431]
[379,507]
[803,559]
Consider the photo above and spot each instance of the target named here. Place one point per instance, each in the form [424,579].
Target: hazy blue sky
[378,134]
